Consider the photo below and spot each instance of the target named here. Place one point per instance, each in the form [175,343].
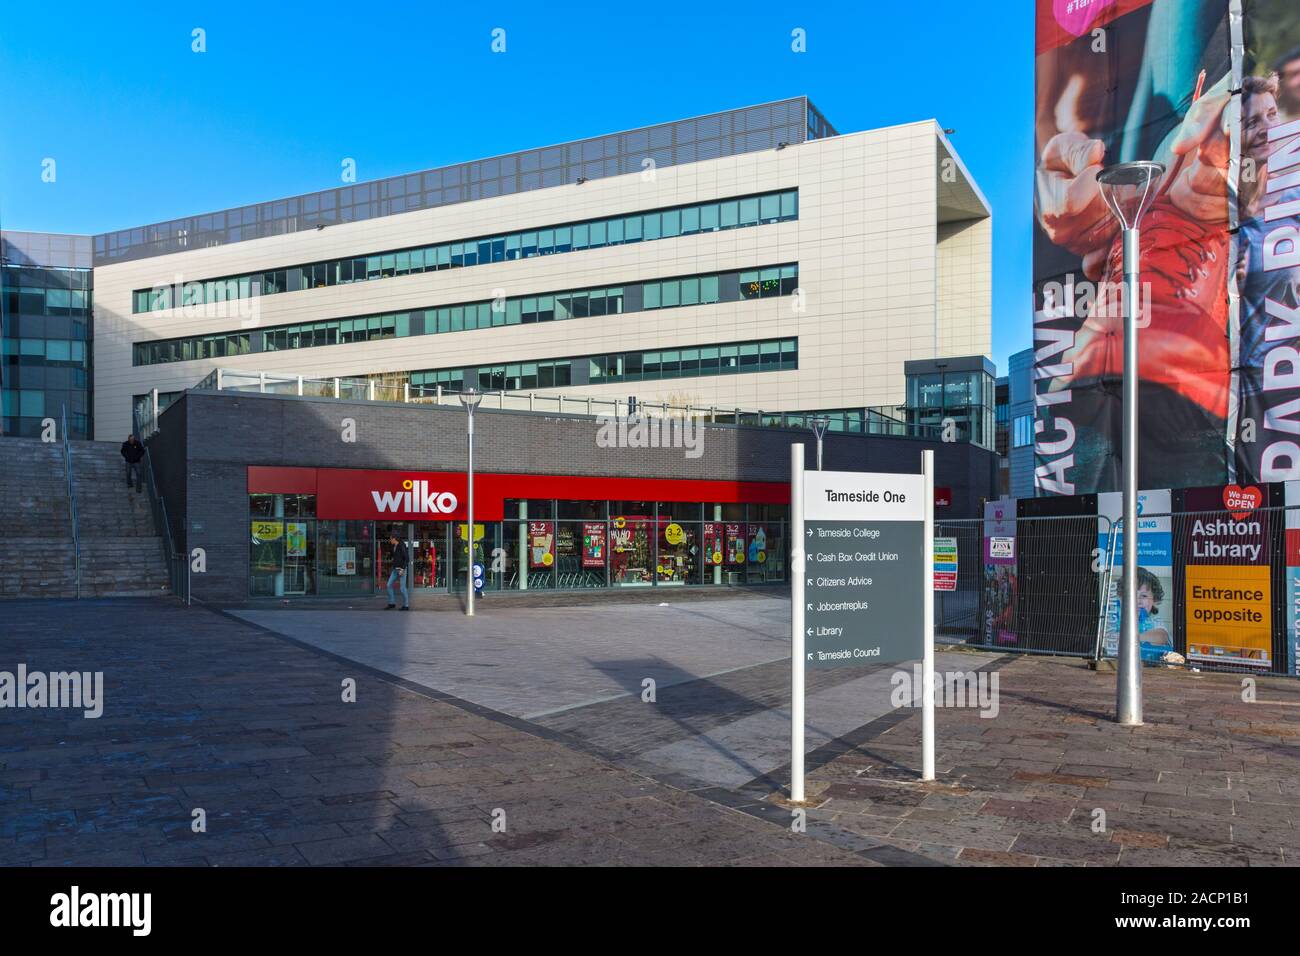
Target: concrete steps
[105,506]
[37,567]
[121,555]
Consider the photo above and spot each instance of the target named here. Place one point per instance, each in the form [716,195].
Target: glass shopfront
[542,544]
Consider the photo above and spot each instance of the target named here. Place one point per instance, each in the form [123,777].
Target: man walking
[133,453]
[397,554]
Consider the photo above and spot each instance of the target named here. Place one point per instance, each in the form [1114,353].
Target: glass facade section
[541,545]
[963,397]
[735,213]
[519,310]
[46,341]
[729,133]
[774,355]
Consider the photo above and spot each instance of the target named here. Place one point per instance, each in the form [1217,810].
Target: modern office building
[1020,411]
[46,300]
[743,271]
[753,258]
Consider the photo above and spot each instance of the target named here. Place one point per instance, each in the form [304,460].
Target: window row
[770,356]
[188,350]
[619,230]
[27,301]
[519,310]
[51,350]
[724,359]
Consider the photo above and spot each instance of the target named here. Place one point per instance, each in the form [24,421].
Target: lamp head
[470,398]
[819,424]
[1129,190]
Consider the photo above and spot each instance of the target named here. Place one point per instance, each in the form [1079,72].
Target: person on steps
[133,453]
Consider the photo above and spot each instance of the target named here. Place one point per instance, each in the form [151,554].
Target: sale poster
[734,544]
[346,560]
[593,544]
[541,544]
[713,543]
[264,531]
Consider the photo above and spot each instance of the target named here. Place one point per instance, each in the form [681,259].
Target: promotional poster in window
[1210,89]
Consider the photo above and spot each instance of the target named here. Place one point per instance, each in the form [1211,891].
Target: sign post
[798,561]
[863,585]
[927,621]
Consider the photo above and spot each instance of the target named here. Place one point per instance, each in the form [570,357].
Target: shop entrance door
[487,536]
[429,546]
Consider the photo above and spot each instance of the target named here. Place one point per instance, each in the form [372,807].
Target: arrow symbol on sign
[809,532]
[810,655]
[810,580]
[810,606]
[809,632]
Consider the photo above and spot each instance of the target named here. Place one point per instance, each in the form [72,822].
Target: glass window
[790,205]
[690,291]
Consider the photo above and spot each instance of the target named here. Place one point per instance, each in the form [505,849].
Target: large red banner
[373,495]
[1210,89]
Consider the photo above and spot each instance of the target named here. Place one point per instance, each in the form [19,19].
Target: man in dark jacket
[133,453]
[398,557]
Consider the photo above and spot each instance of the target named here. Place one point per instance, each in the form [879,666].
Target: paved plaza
[536,715]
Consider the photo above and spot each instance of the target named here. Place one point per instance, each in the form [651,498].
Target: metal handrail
[162,523]
[72,499]
[874,418]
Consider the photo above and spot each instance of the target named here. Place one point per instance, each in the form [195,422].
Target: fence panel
[1217,590]
[1035,590]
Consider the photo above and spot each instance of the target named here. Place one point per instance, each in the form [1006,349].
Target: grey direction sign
[863,569]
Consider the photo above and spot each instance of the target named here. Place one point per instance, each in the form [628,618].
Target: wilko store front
[325,531]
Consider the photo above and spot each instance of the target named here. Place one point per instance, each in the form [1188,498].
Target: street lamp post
[470,399]
[1129,189]
[819,424]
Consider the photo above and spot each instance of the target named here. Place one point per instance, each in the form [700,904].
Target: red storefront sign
[374,495]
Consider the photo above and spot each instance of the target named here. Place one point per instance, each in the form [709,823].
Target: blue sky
[144,129]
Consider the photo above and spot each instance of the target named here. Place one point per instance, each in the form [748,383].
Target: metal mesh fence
[1038,593]
[1216,589]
